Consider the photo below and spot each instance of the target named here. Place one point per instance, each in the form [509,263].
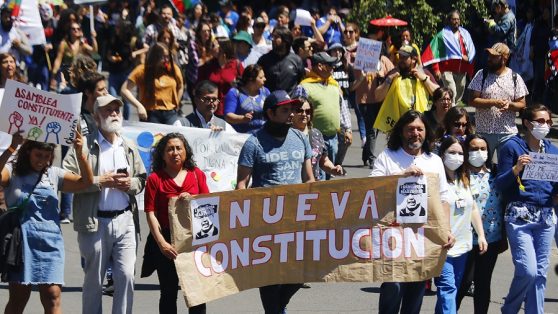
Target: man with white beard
[105,214]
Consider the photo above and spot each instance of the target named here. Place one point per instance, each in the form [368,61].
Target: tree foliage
[425,17]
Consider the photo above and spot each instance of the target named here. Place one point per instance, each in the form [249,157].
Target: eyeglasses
[307,112]
[210,100]
[542,121]
[459,125]
[348,31]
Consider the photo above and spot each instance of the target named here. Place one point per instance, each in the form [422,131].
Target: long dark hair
[395,140]
[154,69]
[17,76]
[461,173]
[22,163]
[157,153]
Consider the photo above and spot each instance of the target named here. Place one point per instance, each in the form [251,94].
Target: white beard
[111,124]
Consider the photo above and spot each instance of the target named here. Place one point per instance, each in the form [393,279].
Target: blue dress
[43,245]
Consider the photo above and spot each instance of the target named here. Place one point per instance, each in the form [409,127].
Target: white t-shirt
[461,208]
[391,162]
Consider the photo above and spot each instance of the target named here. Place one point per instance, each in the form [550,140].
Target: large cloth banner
[42,116]
[333,231]
[215,153]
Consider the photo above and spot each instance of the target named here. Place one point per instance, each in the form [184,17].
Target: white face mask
[540,131]
[478,158]
[453,161]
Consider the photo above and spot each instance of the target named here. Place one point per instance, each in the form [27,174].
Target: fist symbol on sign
[53,128]
[15,119]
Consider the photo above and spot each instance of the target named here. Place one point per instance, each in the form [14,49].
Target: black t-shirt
[282,73]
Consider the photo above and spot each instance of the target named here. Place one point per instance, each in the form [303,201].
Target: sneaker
[305,286]
[65,221]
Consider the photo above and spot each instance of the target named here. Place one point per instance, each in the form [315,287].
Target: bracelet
[425,79]
[11,149]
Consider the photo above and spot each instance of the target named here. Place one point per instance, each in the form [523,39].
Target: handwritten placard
[368,55]
[543,167]
[42,116]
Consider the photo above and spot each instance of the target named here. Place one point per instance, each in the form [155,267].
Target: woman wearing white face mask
[480,266]
[463,213]
[529,217]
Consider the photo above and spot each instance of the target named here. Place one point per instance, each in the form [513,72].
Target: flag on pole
[14,6]
[445,46]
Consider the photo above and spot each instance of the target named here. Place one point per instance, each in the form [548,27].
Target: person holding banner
[257,161]
[31,184]
[174,173]
[463,214]
[529,215]
[106,214]
[408,153]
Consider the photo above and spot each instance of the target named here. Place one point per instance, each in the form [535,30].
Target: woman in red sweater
[174,173]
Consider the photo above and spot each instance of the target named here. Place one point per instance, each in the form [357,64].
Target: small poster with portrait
[412,200]
[205,220]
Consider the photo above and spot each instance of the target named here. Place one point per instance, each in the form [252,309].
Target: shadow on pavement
[371,289]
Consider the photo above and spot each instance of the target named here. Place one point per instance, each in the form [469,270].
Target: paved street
[320,298]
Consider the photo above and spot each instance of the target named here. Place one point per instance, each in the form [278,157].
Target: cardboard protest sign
[332,231]
[543,167]
[368,55]
[215,153]
[412,200]
[42,116]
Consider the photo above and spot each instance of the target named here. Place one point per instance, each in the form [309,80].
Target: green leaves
[425,17]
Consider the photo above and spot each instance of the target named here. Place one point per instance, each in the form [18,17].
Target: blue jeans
[530,248]
[359,116]
[162,116]
[448,283]
[115,81]
[407,295]
[332,144]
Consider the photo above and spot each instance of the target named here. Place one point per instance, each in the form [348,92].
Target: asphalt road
[320,298]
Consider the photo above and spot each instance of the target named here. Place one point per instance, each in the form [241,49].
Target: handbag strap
[23,205]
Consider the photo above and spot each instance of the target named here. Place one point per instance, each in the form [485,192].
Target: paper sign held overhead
[303,18]
[42,116]
[368,55]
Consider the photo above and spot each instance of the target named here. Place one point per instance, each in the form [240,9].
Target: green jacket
[86,202]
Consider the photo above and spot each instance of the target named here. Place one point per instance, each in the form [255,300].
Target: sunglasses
[210,100]
[76,28]
[542,121]
[459,125]
[348,32]
[305,111]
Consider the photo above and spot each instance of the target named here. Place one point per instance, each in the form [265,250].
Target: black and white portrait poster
[412,200]
[205,220]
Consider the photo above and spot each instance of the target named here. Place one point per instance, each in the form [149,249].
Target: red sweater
[160,188]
